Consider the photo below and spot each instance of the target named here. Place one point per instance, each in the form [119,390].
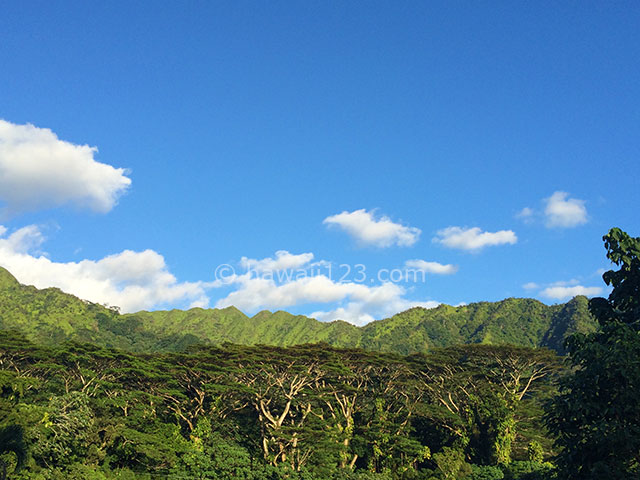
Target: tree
[596,415]
[623,304]
[66,431]
[478,392]
[208,454]
[450,464]
[12,440]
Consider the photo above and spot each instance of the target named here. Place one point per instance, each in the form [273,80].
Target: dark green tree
[623,304]
[596,416]
[12,441]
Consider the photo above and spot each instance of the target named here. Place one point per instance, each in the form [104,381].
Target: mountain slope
[231,325]
[50,316]
[520,321]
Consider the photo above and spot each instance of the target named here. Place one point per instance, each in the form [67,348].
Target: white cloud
[141,280]
[367,230]
[282,261]
[354,312]
[131,280]
[473,239]
[431,267]
[255,293]
[564,212]
[38,170]
[563,290]
[357,303]
[563,293]
[565,283]
[525,213]
[357,312]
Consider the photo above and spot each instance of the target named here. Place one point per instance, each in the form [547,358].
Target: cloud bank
[137,281]
[131,280]
[357,303]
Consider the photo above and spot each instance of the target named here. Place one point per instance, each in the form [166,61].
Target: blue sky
[342,133]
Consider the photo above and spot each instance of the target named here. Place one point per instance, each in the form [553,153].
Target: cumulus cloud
[254,293]
[131,280]
[431,267]
[563,212]
[366,229]
[356,302]
[473,239]
[565,292]
[38,170]
[531,286]
[282,261]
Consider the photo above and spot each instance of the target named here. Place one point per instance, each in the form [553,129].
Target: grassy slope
[49,316]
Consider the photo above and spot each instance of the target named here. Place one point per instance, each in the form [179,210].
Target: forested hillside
[51,316]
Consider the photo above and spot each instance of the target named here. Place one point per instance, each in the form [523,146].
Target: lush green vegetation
[51,316]
[596,416]
[480,411]
[307,412]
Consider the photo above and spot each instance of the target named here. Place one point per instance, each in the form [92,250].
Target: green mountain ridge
[49,316]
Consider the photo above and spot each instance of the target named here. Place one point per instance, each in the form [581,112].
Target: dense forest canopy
[309,411]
